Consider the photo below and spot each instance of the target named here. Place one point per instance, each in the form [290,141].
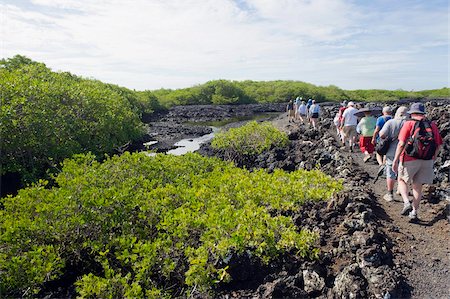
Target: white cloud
[177,43]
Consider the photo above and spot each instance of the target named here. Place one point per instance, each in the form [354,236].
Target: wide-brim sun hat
[417,108]
[362,112]
[373,111]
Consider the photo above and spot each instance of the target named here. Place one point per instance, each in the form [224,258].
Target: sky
[152,44]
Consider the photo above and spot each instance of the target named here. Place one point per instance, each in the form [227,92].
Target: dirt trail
[422,249]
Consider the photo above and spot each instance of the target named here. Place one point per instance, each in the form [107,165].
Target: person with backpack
[308,105]
[314,112]
[389,134]
[387,115]
[419,142]
[290,111]
[302,111]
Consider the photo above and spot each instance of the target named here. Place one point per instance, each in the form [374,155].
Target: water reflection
[192,144]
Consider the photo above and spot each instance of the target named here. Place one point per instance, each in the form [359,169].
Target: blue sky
[151,44]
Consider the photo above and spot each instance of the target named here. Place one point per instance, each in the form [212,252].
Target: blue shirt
[314,109]
[382,120]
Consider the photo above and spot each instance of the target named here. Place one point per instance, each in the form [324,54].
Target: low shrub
[152,226]
[249,140]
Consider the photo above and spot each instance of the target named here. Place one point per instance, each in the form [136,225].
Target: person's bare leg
[379,159]
[417,196]
[403,188]
[390,184]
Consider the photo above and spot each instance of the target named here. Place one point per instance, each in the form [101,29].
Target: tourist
[348,125]
[386,115]
[308,105]
[337,124]
[302,111]
[314,112]
[413,165]
[340,113]
[389,133]
[296,103]
[290,111]
[366,127]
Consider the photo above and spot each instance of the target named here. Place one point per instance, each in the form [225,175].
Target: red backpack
[421,144]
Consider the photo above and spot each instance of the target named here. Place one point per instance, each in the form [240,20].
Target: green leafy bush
[240,92]
[47,116]
[151,226]
[249,140]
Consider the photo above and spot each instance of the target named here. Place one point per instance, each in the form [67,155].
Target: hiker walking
[314,112]
[348,125]
[340,113]
[296,103]
[419,142]
[366,127]
[302,111]
[290,111]
[389,133]
[308,105]
[337,124]
[386,115]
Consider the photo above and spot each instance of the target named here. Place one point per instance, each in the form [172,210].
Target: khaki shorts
[291,113]
[349,131]
[417,171]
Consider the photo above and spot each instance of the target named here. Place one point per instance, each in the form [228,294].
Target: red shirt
[406,132]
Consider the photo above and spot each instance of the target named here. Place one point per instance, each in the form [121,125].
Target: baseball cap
[387,109]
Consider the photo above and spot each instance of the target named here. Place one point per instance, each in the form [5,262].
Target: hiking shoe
[406,209]
[388,197]
[412,216]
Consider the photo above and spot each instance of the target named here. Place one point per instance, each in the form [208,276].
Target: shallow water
[224,122]
[192,144]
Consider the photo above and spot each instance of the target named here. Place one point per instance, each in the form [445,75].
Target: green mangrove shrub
[46,117]
[155,227]
[249,140]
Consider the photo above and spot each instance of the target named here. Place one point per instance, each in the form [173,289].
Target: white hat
[401,112]
[350,104]
[387,109]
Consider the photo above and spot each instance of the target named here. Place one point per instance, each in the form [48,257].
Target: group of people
[303,111]
[411,144]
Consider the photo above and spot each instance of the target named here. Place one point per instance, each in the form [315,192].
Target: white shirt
[349,116]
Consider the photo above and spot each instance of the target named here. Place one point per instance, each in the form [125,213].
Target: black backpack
[421,144]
